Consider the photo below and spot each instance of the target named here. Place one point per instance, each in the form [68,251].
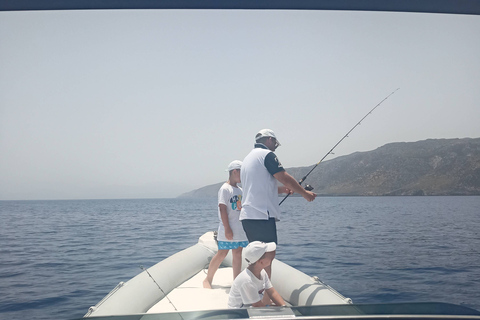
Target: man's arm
[285,190]
[288,181]
[226,224]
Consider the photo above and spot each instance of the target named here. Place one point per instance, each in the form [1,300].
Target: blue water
[58,258]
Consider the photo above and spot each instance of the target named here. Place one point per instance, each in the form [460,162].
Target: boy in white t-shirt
[249,288]
[231,235]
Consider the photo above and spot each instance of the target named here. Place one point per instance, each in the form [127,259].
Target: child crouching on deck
[252,287]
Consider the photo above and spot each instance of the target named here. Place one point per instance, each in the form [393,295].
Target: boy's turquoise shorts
[227,245]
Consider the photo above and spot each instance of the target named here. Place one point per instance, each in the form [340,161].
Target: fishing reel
[308,187]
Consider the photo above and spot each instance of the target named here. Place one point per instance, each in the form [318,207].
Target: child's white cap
[256,249]
[235,164]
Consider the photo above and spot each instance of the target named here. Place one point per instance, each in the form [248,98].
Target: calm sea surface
[58,258]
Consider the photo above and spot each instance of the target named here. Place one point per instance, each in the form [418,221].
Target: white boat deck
[192,296]
[141,294]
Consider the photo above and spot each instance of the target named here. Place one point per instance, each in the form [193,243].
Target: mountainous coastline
[430,167]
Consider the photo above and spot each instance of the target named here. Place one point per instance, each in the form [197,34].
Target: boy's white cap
[256,249]
[266,133]
[235,164]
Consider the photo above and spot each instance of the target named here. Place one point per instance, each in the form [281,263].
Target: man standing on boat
[259,174]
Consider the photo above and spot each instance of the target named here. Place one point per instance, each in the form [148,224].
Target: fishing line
[308,187]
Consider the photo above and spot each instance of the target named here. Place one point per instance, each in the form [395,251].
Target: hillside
[428,167]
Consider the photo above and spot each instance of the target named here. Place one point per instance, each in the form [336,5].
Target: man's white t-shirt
[260,188]
[248,289]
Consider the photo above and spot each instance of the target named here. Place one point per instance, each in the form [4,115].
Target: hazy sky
[149,104]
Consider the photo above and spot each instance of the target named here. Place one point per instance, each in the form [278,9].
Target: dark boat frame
[383,311]
[471,7]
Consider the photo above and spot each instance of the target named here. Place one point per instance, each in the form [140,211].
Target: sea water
[58,258]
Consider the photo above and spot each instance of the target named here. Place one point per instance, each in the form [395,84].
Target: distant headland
[430,167]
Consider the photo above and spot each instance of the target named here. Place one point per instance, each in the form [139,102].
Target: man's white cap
[235,164]
[266,133]
[256,249]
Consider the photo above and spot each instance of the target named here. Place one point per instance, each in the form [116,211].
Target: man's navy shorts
[260,230]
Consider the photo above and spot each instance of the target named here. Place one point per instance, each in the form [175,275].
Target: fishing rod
[310,188]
